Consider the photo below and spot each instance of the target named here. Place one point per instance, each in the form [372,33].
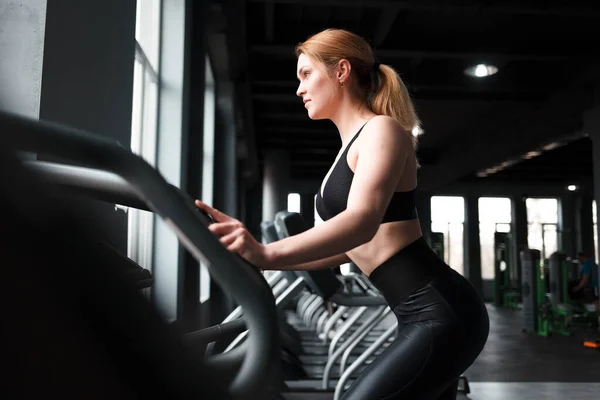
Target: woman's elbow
[368,227]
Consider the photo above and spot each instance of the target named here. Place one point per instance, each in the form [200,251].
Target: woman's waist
[406,271]
[391,238]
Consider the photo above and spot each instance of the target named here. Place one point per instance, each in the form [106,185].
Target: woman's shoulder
[383,126]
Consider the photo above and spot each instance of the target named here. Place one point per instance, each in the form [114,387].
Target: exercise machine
[543,312]
[436,242]
[114,173]
[507,292]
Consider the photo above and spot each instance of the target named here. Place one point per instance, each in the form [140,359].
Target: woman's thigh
[418,364]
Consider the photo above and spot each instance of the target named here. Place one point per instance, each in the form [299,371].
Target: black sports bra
[335,194]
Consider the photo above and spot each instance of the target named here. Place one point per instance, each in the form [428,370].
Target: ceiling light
[417,131]
[552,146]
[572,188]
[531,155]
[481,70]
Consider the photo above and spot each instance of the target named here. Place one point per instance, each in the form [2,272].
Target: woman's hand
[235,237]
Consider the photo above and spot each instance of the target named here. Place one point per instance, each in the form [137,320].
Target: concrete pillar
[591,126]
[225,188]
[225,177]
[276,181]
[87,81]
[584,222]
[87,78]
[472,244]
[22,27]
[519,231]
[566,222]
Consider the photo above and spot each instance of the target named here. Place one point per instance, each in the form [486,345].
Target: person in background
[586,288]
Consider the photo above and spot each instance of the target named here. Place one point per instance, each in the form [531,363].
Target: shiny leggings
[442,327]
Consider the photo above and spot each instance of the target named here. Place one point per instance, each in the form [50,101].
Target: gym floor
[520,366]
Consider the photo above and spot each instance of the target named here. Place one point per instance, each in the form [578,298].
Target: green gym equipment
[436,242]
[543,314]
[547,308]
[507,292]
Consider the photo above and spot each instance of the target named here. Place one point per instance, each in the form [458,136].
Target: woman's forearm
[329,262]
[340,234]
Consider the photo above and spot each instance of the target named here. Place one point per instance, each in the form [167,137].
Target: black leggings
[442,327]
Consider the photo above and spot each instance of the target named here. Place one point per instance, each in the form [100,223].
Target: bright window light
[293,202]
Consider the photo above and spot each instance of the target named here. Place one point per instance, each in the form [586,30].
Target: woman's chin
[314,115]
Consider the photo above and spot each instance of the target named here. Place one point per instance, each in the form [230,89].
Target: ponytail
[391,98]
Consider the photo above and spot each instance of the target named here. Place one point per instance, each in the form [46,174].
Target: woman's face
[317,89]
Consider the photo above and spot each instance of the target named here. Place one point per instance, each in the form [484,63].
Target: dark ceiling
[570,163]
[542,52]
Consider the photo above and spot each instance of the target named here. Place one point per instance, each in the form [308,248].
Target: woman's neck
[349,118]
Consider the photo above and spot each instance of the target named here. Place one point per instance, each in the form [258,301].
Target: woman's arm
[382,156]
[329,262]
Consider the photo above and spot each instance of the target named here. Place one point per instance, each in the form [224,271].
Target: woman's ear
[343,69]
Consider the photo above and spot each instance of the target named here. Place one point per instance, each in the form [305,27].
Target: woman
[367,203]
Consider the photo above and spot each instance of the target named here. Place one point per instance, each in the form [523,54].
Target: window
[494,216]
[208,161]
[448,217]
[293,202]
[144,121]
[542,225]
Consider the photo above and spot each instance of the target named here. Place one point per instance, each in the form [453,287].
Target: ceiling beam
[290,86]
[297,116]
[302,145]
[269,21]
[556,119]
[394,54]
[452,7]
[312,133]
[424,91]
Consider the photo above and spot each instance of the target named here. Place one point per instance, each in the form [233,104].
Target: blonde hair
[382,87]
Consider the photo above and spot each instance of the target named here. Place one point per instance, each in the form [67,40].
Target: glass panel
[293,202]
[495,215]
[150,120]
[447,217]
[456,246]
[208,162]
[144,121]
[550,239]
[136,117]
[542,219]
[133,228]
[542,210]
[447,209]
[147,29]
[453,243]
